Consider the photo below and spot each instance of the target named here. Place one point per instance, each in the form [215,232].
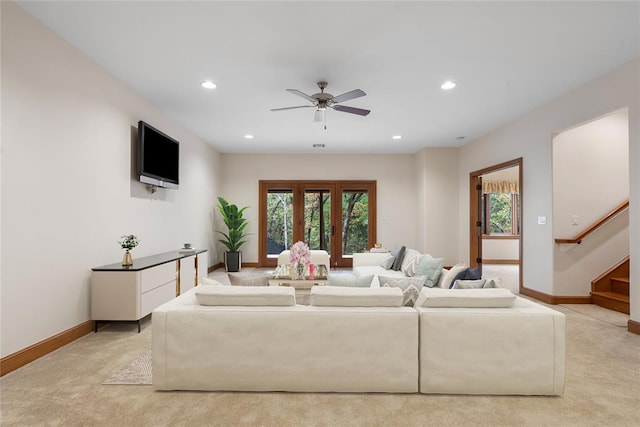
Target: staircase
[611,289]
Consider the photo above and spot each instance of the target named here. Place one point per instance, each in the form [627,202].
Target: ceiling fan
[321,101]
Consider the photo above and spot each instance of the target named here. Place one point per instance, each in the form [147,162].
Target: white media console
[128,294]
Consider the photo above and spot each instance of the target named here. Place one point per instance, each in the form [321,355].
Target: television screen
[158,157]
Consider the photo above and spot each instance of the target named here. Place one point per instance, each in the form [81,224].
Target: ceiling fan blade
[356,93]
[304,95]
[292,108]
[352,110]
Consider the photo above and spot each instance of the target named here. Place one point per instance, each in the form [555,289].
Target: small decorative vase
[300,271]
[127,260]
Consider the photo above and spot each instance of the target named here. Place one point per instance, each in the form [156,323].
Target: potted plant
[234,238]
[128,242]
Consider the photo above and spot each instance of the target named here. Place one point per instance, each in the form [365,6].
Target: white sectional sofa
[356,340]
[284,348]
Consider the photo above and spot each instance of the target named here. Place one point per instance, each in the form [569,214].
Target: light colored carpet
[64,388]
[137,372]
[599,313]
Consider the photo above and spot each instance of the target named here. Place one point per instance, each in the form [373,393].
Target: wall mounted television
[158,157]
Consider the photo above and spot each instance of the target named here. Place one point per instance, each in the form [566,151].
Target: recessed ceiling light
[208,84]
[397,137]
[448,85]
[247,136]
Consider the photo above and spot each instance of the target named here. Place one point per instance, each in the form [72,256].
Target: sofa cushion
[399,257]
[466,298]
[208,281]
[410,287]
[246,295]
[350,280]
[387,262]
[336,296]
[469,284]
[248,279]
[431,268]
[449,275]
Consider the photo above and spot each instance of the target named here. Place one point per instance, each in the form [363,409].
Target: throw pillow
[468,284]
[397,263]
[409,267]
[248,279]
[349,280]
[387,262]
[460,276]
[431,268]
[491,283]
[409,258]
[410,287]
[467,274]
[447,278]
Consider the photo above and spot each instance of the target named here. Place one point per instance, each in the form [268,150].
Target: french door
[336,216]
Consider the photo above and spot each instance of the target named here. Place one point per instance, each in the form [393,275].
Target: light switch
[542,220]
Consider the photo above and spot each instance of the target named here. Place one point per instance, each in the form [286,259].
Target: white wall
[590,172]
[502,249]
[397,190]
[437,202]
[68,191]
[530,137]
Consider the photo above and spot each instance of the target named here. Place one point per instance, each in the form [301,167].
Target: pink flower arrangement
[300,254]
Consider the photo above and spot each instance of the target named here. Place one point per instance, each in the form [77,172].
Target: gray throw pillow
[397,263]
[431,268]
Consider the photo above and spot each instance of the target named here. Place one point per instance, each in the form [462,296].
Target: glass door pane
[317,219]
[355,221]
[279,221]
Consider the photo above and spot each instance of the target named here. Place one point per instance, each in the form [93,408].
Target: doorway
[336,216]
[495,219]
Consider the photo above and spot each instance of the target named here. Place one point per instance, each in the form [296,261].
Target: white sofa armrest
[318,257]
[369,258]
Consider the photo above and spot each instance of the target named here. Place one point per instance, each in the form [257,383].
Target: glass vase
[299,271]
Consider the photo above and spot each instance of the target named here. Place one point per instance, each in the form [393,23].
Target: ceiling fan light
[319,115]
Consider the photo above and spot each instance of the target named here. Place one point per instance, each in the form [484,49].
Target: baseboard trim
[244,264]
[215,267]
[555,299]
[633,327]
[20,358]
[500,261]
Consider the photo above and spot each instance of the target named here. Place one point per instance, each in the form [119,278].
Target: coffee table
[302,287]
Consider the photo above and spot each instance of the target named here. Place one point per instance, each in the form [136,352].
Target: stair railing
[593,227]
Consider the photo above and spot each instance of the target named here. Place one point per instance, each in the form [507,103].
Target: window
[502,211]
